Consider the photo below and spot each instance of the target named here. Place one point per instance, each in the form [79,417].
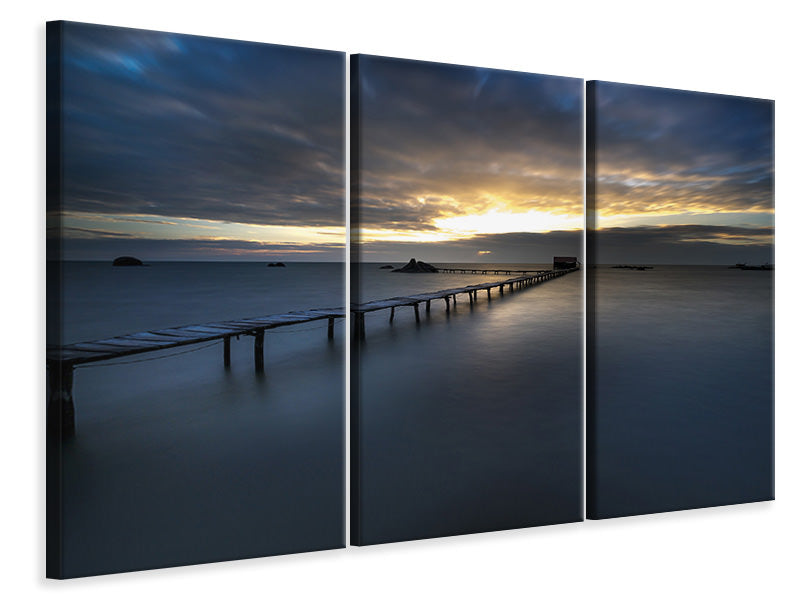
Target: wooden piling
[391,315]
[427,306]
[416,312]
[226,353]
[447,303]
[258,351]
[60,408]
[331,321]
[360,326]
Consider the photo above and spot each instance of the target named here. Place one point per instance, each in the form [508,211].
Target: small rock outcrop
[127,261]
[416,266]
[386,267]
[276,264]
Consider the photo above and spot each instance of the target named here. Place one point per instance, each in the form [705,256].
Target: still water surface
[683,392]
[177,460]
[470,421]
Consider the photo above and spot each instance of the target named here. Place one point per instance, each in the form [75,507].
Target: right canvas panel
[680,205]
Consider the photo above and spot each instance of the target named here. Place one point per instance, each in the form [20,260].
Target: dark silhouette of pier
[515,283]
[480,271]
[62,360]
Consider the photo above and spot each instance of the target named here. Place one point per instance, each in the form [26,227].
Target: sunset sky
[463,164]
[179,147]
[682,177]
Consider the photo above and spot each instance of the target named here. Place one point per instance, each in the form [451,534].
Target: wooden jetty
[533,278]
[62,360]
[481,271]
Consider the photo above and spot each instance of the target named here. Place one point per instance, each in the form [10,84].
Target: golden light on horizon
[493,221]
[505,221]
[607,219]
[144,226]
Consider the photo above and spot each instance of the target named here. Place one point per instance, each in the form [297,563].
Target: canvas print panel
[195,299]
[679,300]
[467,216]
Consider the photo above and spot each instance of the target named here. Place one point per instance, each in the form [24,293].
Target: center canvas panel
[467,217]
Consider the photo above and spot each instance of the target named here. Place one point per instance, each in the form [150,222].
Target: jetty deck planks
[164,339]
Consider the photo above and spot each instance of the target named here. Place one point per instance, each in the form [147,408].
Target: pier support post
[358,324]
[427,306]
[391,315]
[60,408]
[470,297]
[330,327]
[258,351]
[454,300]
[447,303]
[416,312]
[226,352]
[488,293]
[501,290]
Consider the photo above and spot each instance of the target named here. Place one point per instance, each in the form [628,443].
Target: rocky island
[127,261]
[416,266]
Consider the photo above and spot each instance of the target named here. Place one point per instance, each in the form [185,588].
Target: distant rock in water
[127,261]
[416,266]
[276,264]
[386,267]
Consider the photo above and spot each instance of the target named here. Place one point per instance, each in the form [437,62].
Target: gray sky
[683,177]
[184,147]
[467,164]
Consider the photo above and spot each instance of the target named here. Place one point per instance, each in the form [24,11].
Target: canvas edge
[355,296]
[53,468]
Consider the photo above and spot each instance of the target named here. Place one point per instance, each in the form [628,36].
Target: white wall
[733,47]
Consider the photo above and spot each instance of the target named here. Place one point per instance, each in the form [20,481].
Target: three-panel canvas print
[198,328]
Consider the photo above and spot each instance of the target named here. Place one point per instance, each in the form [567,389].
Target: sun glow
[461,227]
[496,221]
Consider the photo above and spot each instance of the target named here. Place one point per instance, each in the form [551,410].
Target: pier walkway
[62,360]
[535,277]
[481,271]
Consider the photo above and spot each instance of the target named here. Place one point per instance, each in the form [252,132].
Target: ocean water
[177,460]
[469,421]
[682,363]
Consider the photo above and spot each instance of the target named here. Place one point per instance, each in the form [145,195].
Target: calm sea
[177,460]
[684,388]
[469,421]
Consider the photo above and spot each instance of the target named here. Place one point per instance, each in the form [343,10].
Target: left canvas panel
[195,286]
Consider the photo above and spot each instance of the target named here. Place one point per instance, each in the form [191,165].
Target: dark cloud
[185,126]
[681,244]
[668,150]
[486,248]
[464,138]
[105,246]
